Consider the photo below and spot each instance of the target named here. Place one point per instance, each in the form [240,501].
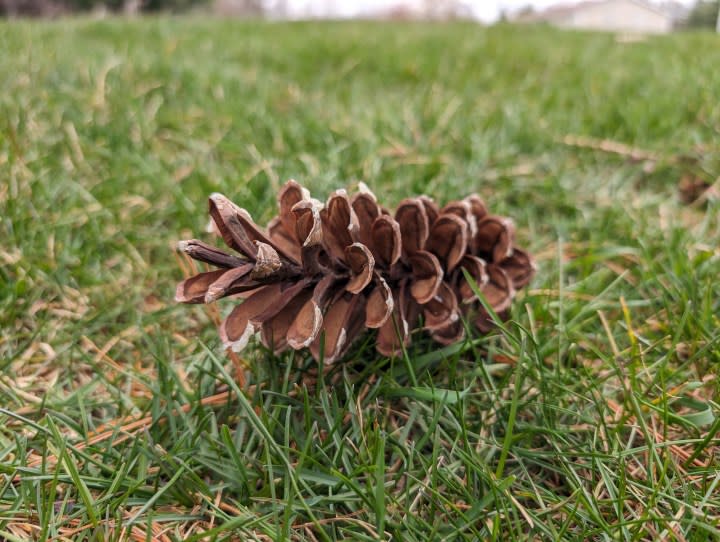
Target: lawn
[592,415]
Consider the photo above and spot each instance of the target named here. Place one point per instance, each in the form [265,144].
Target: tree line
[704,14]
[50,8]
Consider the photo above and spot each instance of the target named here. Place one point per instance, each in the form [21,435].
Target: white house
[636,16]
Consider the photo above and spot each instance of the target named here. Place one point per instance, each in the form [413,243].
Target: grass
[592,415]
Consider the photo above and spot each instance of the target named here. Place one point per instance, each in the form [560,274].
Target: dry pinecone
[334,270]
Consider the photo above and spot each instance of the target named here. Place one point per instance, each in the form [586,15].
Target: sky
[486,10]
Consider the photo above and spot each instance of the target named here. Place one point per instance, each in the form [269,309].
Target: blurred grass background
[593,417]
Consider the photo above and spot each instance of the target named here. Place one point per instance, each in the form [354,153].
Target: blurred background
[615,15]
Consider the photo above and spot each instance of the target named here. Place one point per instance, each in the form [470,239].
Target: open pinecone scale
[332,271]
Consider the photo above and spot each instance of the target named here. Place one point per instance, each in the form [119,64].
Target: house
[634,16]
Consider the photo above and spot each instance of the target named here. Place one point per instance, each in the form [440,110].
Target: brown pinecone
[337,269]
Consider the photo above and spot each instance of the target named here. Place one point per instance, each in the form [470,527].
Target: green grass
[592,415]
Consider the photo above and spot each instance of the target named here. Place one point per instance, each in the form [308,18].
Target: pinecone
[334,270]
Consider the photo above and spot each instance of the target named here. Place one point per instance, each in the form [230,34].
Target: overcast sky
[487,10]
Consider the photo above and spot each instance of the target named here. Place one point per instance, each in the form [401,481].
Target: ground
[592,415]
